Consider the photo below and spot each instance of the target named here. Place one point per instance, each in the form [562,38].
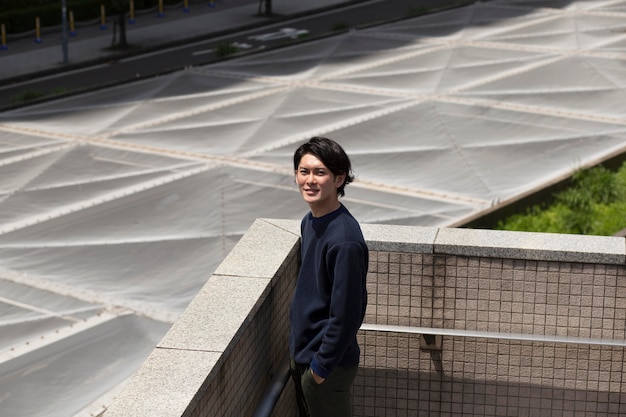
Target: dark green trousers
[328,399]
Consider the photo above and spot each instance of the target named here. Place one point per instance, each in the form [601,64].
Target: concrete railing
[220,356]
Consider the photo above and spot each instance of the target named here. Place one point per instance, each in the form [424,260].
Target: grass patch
[340,27]
[28,95]
[32,95]
[226,49]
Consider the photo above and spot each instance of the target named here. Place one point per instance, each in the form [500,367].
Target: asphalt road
[202,52]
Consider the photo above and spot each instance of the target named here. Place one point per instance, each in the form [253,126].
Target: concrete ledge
[487,243]
[390,238]
[259,252]
[213,319]
[531,246]
[165,385]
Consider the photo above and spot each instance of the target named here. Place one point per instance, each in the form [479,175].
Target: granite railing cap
[487,243]
[531,246]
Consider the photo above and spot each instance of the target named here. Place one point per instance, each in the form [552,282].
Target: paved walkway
[25,57]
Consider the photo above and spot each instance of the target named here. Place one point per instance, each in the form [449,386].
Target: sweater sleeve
[347,264]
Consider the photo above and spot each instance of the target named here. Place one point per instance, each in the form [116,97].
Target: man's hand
[318,379]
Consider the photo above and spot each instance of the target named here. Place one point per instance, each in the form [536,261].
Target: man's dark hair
[331,154]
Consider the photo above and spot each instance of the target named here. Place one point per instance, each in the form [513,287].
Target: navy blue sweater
[330,297]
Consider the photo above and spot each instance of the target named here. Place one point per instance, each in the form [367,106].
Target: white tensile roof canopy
[116,205]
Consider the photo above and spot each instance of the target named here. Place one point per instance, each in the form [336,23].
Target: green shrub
[340,26]
[594,205]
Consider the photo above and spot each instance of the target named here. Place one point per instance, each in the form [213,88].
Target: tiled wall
[485,376]
[488,377]
[498,295]
[487,292]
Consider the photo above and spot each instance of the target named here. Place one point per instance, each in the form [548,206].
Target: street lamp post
[64,29]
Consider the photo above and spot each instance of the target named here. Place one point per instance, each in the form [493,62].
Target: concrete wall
[535,326]
[529,324]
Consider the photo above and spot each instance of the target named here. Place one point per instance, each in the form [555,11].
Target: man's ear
[339,180]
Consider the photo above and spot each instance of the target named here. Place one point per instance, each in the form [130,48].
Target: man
[330,297]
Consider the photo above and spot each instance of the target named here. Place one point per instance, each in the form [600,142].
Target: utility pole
[64,29]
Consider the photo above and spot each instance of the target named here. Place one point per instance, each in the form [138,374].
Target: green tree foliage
[595,204]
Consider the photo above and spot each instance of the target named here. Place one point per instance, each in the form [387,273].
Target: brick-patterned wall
[478,376]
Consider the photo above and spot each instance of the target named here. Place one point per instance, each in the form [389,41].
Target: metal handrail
[280,378]
[492,335]
[274,389]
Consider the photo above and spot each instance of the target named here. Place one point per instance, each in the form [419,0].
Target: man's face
[318,185]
